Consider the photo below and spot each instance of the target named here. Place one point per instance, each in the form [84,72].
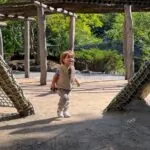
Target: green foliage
[99,60]
[57,32]
[58,29]
[13,37]
[113,62]
[116,31]
[146,54]
[3,1]
[141,28]
[84,25]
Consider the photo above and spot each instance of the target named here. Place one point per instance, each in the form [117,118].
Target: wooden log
[72,33]
[125,48]
[27,48]
[42,44]
[1,44]
[129,42]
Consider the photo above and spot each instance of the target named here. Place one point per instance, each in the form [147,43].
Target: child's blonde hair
[65,54]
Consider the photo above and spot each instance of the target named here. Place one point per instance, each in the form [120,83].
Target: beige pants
[64,100]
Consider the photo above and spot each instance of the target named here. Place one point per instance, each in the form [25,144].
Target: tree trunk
[14,91]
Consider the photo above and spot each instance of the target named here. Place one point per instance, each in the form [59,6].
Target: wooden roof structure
[28,8]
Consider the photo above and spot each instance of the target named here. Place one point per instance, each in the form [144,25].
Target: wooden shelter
[25,9]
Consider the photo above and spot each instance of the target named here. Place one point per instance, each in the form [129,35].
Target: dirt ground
[87,129]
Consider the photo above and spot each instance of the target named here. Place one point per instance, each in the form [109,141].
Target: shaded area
[111,132]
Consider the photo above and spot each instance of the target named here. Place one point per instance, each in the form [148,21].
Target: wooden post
[27,48]
[124,48]
[72,33]
[42,44]
[129,42]
[1,44]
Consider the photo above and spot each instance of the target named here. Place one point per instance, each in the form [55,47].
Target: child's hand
[52,86]
[78,84]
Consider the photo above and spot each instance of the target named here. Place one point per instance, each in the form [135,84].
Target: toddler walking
[63,80]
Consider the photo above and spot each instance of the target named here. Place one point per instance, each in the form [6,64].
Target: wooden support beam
[1,44]
[54,10]
[1,39]
[129,42]
[27,48]
[11,17]
[42,44]
[125,48]
[72,33]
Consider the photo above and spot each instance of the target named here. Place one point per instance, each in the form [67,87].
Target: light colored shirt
[65,78]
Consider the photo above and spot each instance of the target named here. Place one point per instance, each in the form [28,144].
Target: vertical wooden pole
[42,44]
[1,43]
[129,42]
[27,48]
[124,48]
[72,33]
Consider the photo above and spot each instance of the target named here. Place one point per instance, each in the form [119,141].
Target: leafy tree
[99,60]
[58,29]
[13,37]
[116,31]
[146,54]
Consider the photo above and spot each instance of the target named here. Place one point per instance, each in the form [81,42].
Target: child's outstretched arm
[77,82]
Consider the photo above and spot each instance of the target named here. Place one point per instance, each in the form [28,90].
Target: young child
[63,80]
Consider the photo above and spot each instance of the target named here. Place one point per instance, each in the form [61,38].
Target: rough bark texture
[42,45]
[1,43]
[27,48]
[137,89]
[72,33]
[13,91]
[129,43]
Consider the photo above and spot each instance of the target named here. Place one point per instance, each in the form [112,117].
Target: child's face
[68,60]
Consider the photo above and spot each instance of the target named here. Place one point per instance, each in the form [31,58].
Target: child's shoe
[66,114]
[60,114]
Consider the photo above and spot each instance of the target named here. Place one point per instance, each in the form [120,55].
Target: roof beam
[4,17]
[53,10]
[3,23]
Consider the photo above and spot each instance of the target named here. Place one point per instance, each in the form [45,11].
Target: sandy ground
[87,129]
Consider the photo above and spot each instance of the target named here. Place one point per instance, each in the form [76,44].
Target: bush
[99,60]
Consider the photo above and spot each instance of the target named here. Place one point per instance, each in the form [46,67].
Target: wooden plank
[72,33]
[42,44]
[27,48]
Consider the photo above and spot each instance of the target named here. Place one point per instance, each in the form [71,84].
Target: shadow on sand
[112,131]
